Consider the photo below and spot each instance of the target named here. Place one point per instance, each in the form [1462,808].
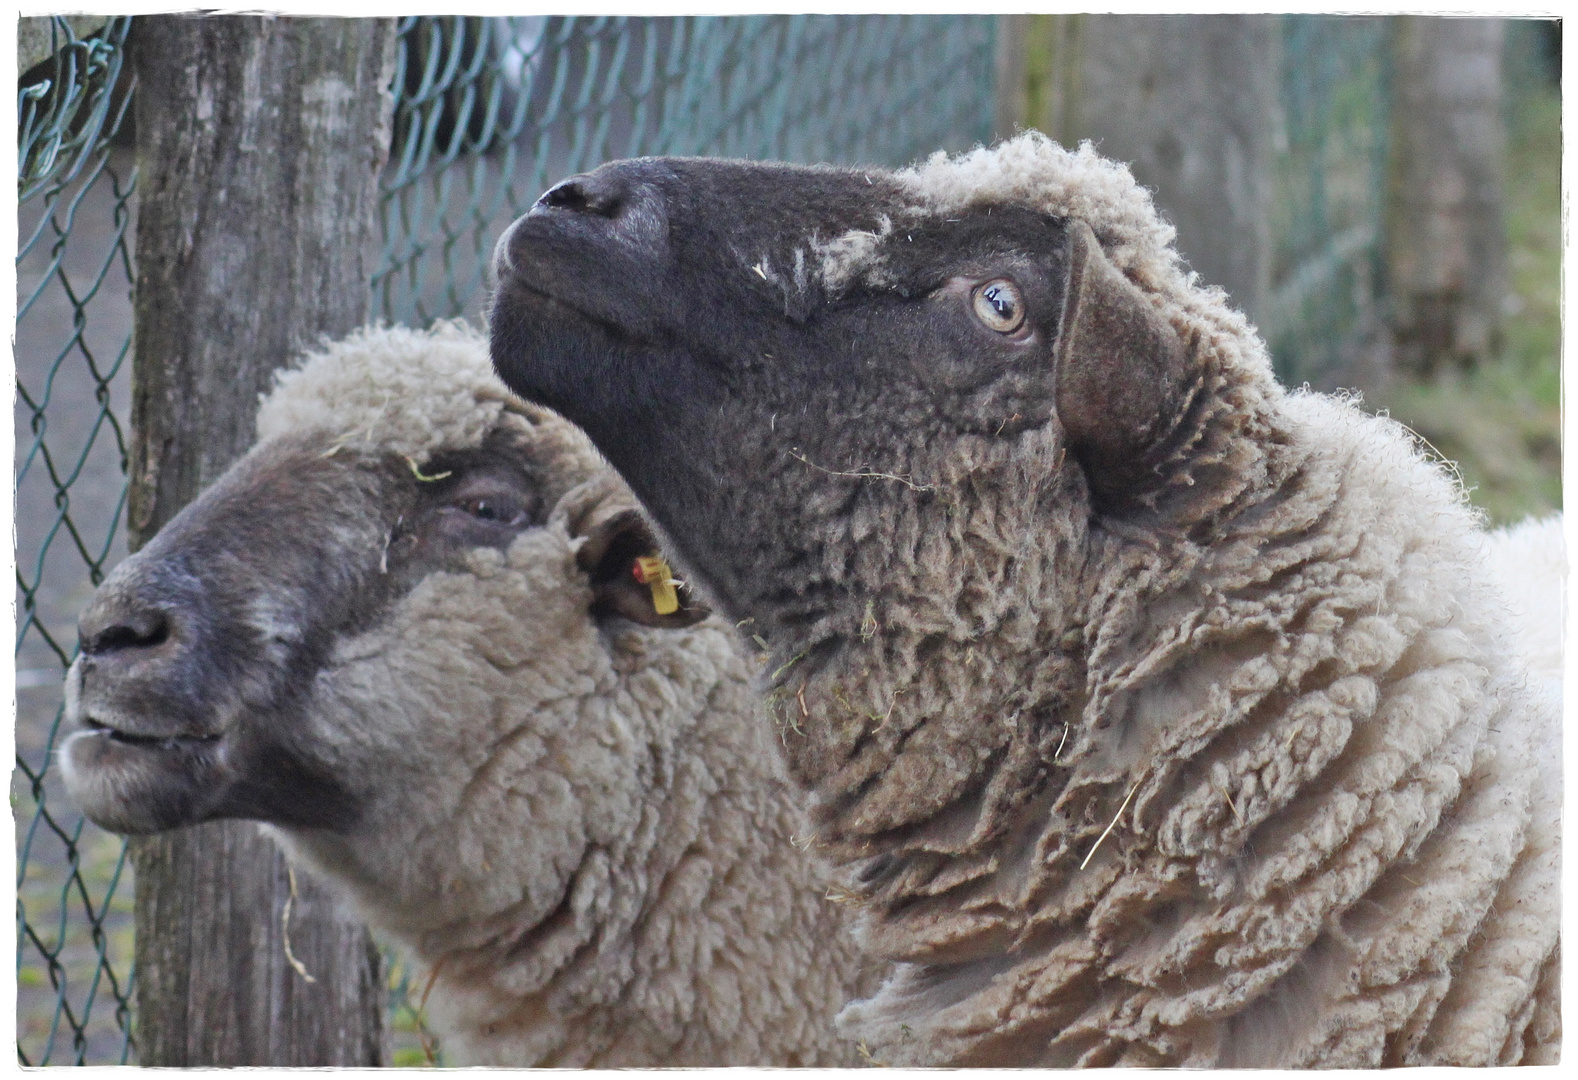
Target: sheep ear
[1119,367]
[616,538]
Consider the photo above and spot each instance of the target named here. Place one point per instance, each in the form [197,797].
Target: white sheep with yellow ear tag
[406,636]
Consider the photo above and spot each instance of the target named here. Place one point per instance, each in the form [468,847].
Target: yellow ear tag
[653,571]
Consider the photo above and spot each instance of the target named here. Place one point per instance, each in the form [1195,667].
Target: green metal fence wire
[1330,178]
[74,978]
[489,112]
[493,111]
[1329,306]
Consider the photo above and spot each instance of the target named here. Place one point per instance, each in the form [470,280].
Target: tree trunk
[1446,245]
[1192,103]
[259,145]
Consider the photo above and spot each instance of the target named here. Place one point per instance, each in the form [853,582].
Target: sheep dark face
[682,313]
[809,351]
[202,654]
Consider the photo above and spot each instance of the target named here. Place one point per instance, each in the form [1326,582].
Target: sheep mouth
[148,742]
[138,784]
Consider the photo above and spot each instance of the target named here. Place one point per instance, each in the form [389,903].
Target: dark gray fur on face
[199,653]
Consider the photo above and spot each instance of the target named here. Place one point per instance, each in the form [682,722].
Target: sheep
[1528,563]
[403,632]
[1157,714]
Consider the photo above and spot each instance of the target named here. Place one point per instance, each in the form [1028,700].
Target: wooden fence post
[1191,102]
[1446,257]
[259,144]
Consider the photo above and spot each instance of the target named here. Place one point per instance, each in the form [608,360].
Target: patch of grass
[411,1057]
[1506,444]
[1501,423]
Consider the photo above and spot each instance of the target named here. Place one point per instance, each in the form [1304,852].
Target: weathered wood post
[259,145]
[1191,102]
[1446,257]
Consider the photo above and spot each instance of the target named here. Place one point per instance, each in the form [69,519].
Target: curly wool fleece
[579,828]
[1247,779]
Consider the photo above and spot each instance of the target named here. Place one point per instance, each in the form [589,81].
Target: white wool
[1528,562]
[392,389]
[529,759]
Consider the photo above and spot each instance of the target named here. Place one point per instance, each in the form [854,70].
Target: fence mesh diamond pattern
[492,111]
[489,112]
[74,978]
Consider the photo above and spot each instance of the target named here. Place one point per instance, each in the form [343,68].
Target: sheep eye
[999,306]
[502,511]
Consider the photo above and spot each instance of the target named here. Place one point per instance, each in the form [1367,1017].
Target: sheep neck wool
[1299,812]
[1243,780]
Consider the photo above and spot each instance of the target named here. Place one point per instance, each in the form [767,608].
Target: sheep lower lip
[149,742]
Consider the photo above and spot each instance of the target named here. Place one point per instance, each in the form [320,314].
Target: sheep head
[834,387]
[205,655]
[827,304]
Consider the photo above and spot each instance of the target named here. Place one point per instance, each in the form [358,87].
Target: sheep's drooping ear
[628,575]
[1119,367]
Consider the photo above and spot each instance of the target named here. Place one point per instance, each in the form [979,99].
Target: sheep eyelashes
[403,632]
[1156,714]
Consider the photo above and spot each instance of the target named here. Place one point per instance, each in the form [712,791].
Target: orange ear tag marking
[653,571]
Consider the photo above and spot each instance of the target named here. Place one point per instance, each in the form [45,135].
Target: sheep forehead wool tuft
[398,390]
[1034,171]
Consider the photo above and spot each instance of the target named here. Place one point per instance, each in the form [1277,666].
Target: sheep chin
[142,787]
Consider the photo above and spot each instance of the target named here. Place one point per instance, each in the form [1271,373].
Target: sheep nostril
[585,195]
[134,630]
[568,195]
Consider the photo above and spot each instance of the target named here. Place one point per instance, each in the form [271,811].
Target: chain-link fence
[1327,314]
[73,339]
[489,112]
[492,111]
[1329,196]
